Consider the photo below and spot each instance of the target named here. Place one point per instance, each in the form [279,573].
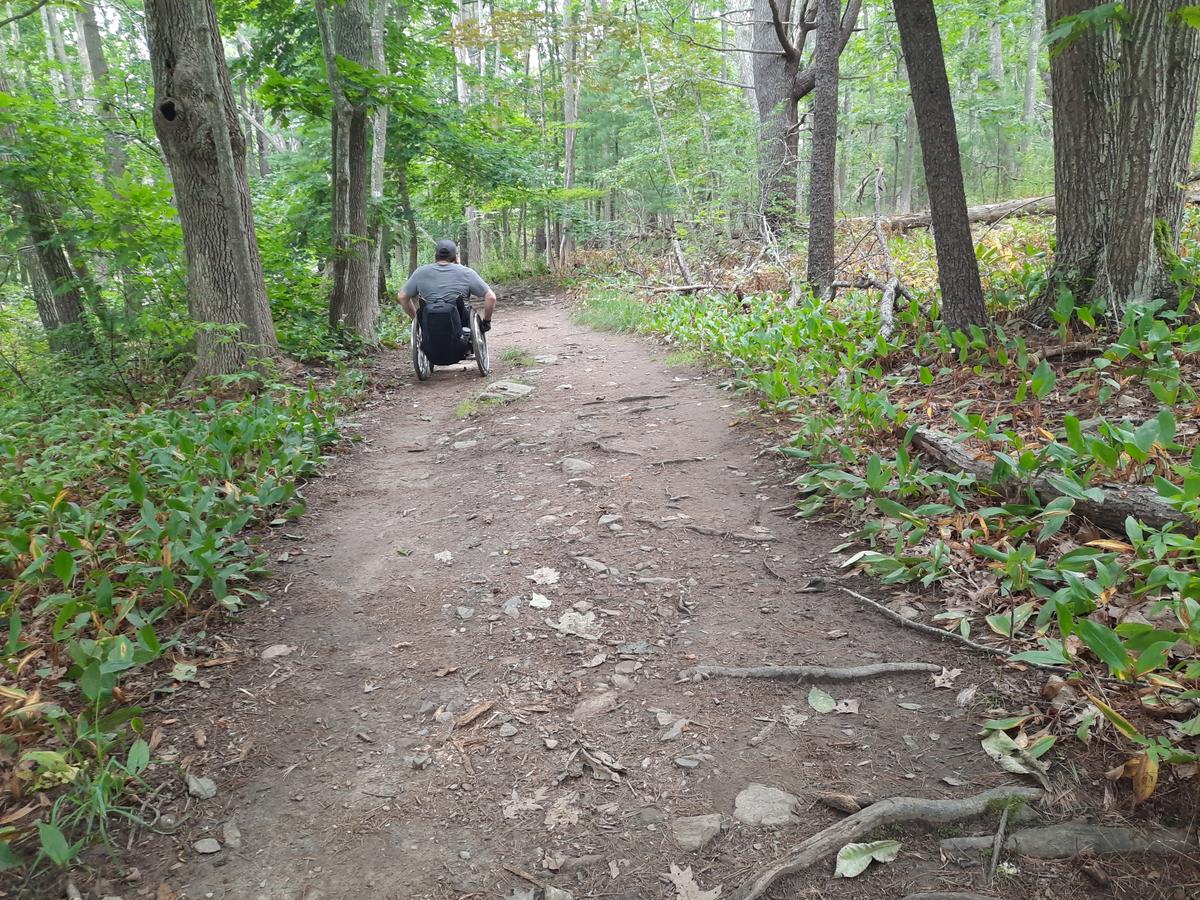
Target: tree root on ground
[813,673]
[948,895]
[885,812]
[1072,838]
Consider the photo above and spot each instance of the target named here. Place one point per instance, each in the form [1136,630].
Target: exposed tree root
[812,673]
[921,626]
[948,895]
[886,812]
[1072,838]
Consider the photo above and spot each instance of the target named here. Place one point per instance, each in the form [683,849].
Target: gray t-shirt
[444,282]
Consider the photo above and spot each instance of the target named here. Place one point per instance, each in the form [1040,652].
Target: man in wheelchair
[445,328]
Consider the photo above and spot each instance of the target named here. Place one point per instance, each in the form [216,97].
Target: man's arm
[408,296]
[481,288]
[489,304]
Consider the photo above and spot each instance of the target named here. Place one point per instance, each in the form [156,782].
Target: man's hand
[485,325]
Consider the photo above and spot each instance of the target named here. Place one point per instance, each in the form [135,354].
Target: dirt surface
[425,733]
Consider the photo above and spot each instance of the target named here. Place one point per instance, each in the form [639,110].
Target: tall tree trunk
[905,204]
[96,65]
[410,217]
[473,245]
[996,70]
[958,270]
[196,120]
[821,202]
[1037,22]
[1130,263]
[379,125]
[56,52]
[1084,100]
[354,303]
[774,68]
[843,154]
[1182,81]
[571,85]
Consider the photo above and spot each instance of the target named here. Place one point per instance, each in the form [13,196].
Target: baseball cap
[445,250]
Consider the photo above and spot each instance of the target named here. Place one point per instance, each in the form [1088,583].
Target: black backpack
[441,333]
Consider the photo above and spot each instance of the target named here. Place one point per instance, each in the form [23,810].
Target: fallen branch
[681,288]
[1120,500]
[921,626]
[886,812]
[811,673]
[1072,838]
[948,895]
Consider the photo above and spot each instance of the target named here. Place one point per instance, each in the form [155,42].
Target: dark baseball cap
[445,250]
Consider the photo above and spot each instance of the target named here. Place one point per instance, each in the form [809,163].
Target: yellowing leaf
[1124,726]
[1046,434]
[1145,778]
[1109,544]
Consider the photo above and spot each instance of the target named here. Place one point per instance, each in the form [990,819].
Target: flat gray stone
[512,607]
[759,804]
[572,466]
[207,845]
[201,788]
[506,390]
[464,612]
[691,833]
[232,835]
[507,730]
[596,705]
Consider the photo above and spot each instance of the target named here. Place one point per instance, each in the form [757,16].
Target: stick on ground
[886,812]
[811,673]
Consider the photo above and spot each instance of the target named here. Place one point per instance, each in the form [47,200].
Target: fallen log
[886,812]
[987,214]
[1072,838]
[1120,500]
[681,288]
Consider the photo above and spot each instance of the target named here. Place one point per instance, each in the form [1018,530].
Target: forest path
[340,762]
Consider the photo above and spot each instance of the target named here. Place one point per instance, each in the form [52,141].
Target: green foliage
[114,524]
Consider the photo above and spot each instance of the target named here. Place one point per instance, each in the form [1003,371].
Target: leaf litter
[686,887]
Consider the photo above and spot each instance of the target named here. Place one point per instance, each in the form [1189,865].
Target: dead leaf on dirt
[563,811]
[966,695]
[275,651]
[686,887]
[846,707]
[582,625]
[516,805]
[794,719]
[544,575]
[538,601]
[442,673]
[165,892]
[596,660]
[604,766]
[18,814]
[946,678]
[199,738]
[444,556]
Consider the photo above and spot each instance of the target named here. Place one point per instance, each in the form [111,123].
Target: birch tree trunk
[996,70]
[958,270]
[196,120]
[905,204]
[821,202]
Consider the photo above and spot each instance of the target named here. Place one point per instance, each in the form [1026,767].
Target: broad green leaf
[139,757]
[8,859]
[1042,381]
[54,844]
[821,701]
[1104,642]
[64,566]
[853,859]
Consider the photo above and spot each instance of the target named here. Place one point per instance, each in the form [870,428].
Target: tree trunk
[410,217]
[571,85]
[958,270]
[1037,21]
[56,52]
[196,120]
[354,301]
[821,202]
[774,70]
[996,70]
[1182,80]
[92,50]
[379,125]
[1084,100]
[905,204]
[1130,264]
[473,245]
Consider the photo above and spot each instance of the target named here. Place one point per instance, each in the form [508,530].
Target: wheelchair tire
[479,342]
[420,361]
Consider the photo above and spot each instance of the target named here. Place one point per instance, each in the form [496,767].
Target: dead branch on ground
[1069,839]
[810,673]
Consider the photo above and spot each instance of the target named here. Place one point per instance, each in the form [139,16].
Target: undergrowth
[1012,566]
[118,526]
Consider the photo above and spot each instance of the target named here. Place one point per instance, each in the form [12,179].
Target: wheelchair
[433,343]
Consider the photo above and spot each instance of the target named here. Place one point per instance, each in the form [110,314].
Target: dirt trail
[337,761]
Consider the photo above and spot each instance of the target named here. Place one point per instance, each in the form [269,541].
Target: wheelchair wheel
[420,361]
[479,342]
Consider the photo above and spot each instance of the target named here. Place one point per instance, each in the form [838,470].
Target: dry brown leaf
[686,887]
[1109,544]
[200,738]
[16,814]
[442,673]
[1145,778]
